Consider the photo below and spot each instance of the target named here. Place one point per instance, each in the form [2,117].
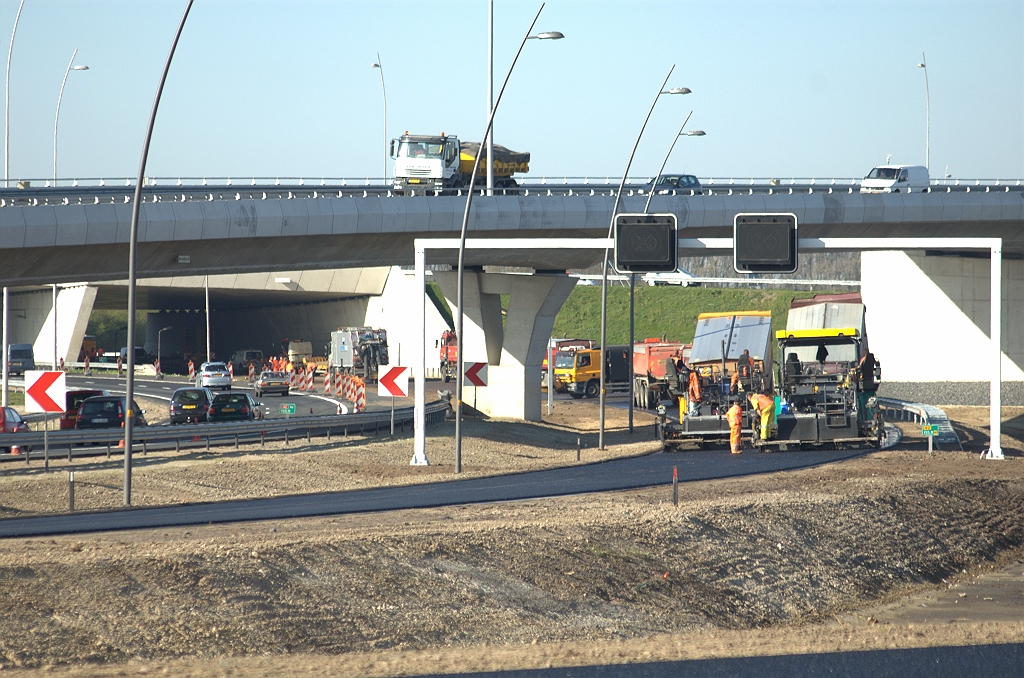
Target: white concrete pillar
[514,374]
[74,306]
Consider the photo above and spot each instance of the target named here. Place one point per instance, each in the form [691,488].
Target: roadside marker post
[930,432]
[474,374]
[45,392]
[393,381]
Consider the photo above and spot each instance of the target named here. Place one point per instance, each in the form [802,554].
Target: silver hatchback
[214,375]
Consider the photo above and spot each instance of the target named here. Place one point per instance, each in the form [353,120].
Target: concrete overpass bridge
[190,231]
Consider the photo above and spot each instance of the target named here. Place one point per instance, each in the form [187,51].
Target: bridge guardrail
[926,415]
[145,435]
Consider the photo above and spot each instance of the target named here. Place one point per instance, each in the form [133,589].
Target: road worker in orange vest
[694,395]
[764,406]
[735,418]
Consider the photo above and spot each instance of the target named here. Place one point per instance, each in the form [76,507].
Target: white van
[895,179]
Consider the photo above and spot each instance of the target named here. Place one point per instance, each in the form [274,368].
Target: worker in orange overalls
[735,418]
[764,406]
[694,395]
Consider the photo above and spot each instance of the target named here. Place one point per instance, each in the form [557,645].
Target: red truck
[656,376]
[449,355]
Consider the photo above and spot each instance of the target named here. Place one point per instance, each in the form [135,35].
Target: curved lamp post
[159,353]
[611,228]
[549,35]
[132,256]
[7,97]
[56,117]
[632,276]
[927,114]
[385,92]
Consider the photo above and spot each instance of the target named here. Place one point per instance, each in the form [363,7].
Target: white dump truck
[443,163]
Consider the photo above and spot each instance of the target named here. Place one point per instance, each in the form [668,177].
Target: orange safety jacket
[735,416]
[761,401]
[694,387]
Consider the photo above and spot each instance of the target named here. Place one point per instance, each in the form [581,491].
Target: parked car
[141,357]
[245,357]
[272,382]
[674,182]
[106,412]
[11,422]
[190,405]
[233,407]
[214,375]
[73,401]
[20,358]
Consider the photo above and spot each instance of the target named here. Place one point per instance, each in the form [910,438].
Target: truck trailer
[358,350]
[445,164]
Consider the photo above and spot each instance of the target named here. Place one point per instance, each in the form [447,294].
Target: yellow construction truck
[443,163]
[578,371]
[825,386]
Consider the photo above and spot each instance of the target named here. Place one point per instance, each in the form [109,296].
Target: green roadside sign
[932,430]
[288,408]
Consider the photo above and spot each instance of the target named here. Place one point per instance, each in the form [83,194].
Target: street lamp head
[921,66]
[547,35]
[695,133]
[80,68]
[375,66]
[167,328]
[677,90]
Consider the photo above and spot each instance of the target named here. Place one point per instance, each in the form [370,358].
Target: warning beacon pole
[129,394]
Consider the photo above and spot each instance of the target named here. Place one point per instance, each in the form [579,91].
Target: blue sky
[285,88]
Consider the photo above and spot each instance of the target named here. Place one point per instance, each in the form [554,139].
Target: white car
[214,375]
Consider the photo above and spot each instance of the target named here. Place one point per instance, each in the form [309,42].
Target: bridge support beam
[514,353]
[31,321]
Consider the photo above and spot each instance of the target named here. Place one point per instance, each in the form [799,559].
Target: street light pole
[604,267]
[459,338]
[206,284]
[133,239]
[54,328]
[159,353]
[6,338]
[385,92]
[7,101]
[927,114]
[490,95]
[56,117]
[632,276]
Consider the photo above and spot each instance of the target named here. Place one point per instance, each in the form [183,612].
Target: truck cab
[578,372]
[427,163]
[895,179]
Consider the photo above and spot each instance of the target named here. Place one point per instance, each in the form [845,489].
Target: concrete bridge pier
[31,320]
[514,350]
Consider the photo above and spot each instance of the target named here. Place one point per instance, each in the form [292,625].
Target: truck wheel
[593,388]
[576,396]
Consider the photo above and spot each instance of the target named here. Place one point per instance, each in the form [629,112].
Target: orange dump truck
[656,371]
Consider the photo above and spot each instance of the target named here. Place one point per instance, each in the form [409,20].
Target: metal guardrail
[206,190]
[926,415]
[224,433]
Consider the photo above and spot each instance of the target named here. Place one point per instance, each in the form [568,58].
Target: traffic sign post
[45,392]
[930,432]
[393,381]
[474,374]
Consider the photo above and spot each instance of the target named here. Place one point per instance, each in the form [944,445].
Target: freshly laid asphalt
[1003,661]
[617,474]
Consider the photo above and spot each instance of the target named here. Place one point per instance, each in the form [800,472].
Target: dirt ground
[893,549]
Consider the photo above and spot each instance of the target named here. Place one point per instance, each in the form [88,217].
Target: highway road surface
[617,474]
[1004,661]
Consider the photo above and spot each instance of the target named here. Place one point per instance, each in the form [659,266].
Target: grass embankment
[15,398]
[670,310]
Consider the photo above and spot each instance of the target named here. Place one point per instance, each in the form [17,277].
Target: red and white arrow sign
[393,381]
[44,391]
[475,374]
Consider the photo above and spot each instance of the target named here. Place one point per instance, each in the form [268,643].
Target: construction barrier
[309,380]
[252,372]
[231,371]
[338,376]
[191,369]
[191,374]
[88,370]
[62,365]
[359,397]
[156,367]
[291,381]
[327,383]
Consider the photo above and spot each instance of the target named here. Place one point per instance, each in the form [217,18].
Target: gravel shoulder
[872,552]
